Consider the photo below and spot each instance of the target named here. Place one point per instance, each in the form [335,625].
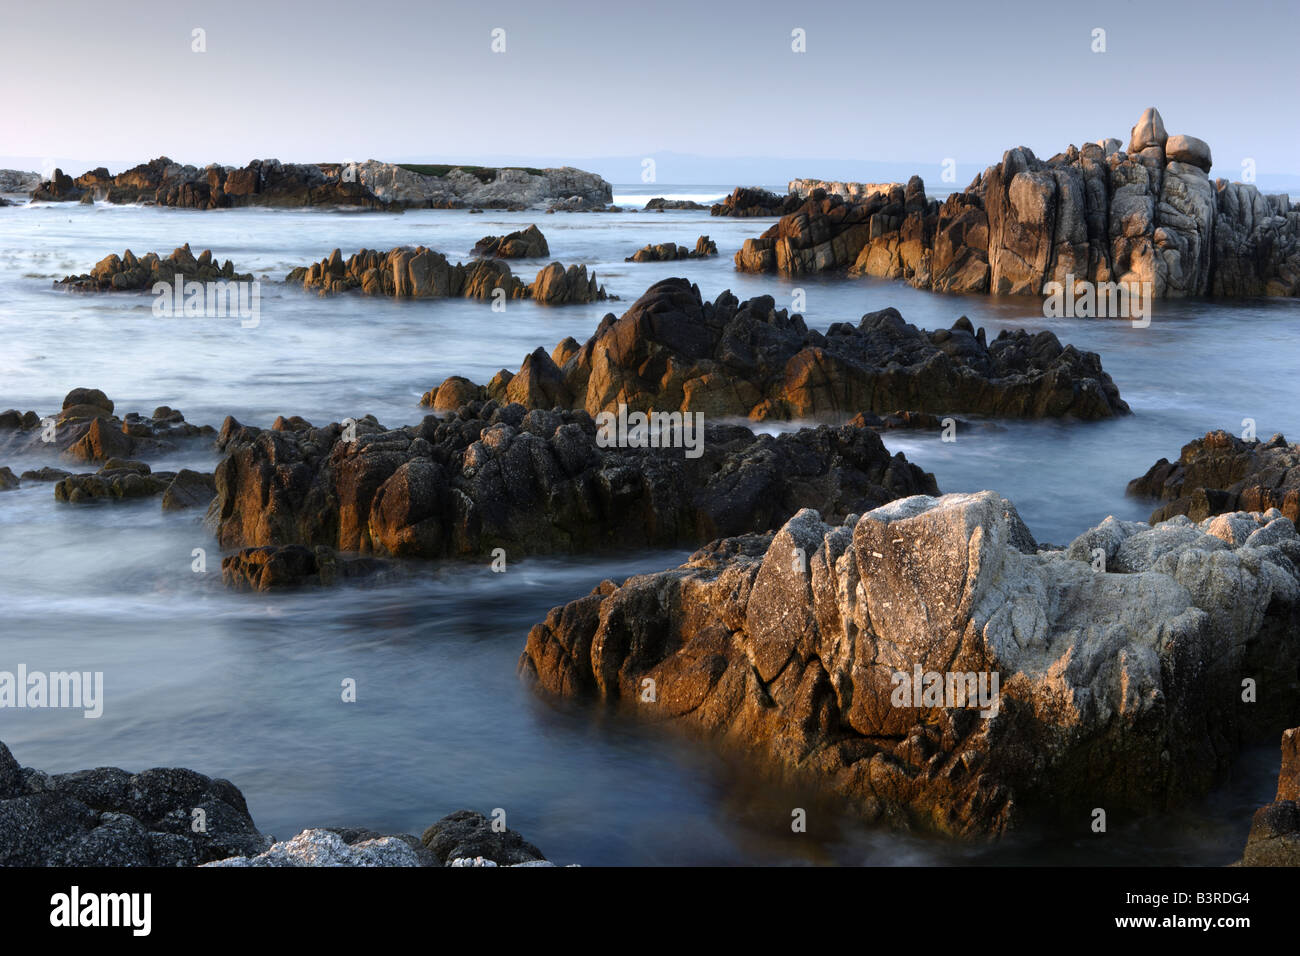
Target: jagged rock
[454,392]
[109,817]
[467,835]
[1094,214]
[673,351]
[118,479]
[18,181]
[752,201]
[8,480]
[420,273]
[126,273]
[525,244]
[1274,838]
[531,482]
[671,252]
[1221,473]
[189,489]
[1116,688]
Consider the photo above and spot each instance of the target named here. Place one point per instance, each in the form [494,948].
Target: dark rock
[750,201]
[467,834]
[525,244]
[126,273]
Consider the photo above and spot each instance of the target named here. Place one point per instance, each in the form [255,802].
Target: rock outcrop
[483,187]
[110,817]
[671,252]
[543,481]
[86,429]
[748,201]
[1274,838]
[524,244]
[1095,213]
[420,273]
[263,182]
[852,192]
[929,664]
[17,181]
[127,273]
[119,479]
[1219,473]
[672,351]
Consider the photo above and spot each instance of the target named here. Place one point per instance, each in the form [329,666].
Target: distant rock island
[1100,214]
[368,185]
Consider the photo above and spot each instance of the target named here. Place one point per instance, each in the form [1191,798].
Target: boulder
[928,665]
[525,244]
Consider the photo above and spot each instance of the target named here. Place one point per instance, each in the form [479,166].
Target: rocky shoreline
[177,817]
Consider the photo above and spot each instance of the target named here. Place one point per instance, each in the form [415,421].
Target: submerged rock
[929,664]
[540,481]
[673,351]
[1221,473]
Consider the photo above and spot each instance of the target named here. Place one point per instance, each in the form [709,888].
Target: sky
[698,86]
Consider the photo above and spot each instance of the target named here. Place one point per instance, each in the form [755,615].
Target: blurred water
[248,686]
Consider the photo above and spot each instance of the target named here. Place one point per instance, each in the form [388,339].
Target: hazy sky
[911,82]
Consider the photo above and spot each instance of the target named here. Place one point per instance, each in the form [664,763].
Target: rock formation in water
[1221,473]
[17,181]
[110,817]
[421,273]
[523,244]
[368,185]
[929,664]
[86,429]
[659,204]
[747,201]
[673,351]
[852,192]
[1100,214]
[1274,838]
[543,481]
[671,252]
[126,273]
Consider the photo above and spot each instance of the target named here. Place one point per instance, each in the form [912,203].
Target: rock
[673,351]
[109,817]
[1148,131]
[87,430]
[670,252]
[263,182]
[480,187]
[466,834]
[17,181]
[126,273]
[421,273]
[1114,689]
[659,204]
[293,566]
[91,397]
[1274,838]
[1094,215]
[1190,150]
[189,489]
[452,394]
[752,201]
[525,244]
[532,482]
[1222,473]
[8,480]
[327,848]
[116,481]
